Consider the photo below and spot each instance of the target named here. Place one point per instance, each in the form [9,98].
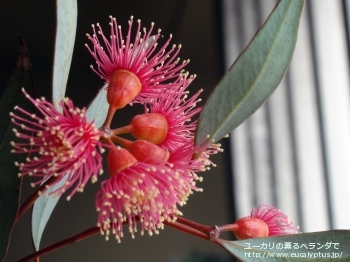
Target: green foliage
[44,206]
[255,74]
[97,110]
[10,183]
[67,11]
[42,211]
[320,246]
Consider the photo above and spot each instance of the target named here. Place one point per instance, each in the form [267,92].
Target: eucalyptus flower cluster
[151,175]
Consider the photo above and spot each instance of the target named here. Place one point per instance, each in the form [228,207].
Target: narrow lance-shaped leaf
[97,110]
[319,246]
[255,74]
[67,12]
[9,182]
[65,36]
[45,204]
[42,211]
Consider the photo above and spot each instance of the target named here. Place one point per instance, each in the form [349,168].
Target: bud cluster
[154,173]
[157,171]
[150,175]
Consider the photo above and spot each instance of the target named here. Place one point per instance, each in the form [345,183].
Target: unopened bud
[152,127]
[144,150]
[263,221]
[119,159]
[123,87]
[249,227]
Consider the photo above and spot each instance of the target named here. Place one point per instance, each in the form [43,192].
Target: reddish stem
[30,201]
[202,228]
[187,229]
[121,141]
[184,225]
[87,233]
[122,130]
[110,114]
[229,227]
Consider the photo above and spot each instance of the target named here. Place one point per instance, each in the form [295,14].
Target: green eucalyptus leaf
[98,108]
[67,12]
[319,246]
[42,210]
[254,75]
[45,204]
[9,182]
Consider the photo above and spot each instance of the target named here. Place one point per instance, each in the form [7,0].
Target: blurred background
[292,153]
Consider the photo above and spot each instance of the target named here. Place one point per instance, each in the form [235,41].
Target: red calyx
[152,127]
[119,159]
[123,87]
[144,150]
[248,227]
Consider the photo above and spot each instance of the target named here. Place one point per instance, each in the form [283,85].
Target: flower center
[64,147]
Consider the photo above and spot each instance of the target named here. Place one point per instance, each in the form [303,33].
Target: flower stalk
[210,233]
[182,224]
[71,240]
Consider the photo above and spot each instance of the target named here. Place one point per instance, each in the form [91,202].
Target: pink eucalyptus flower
[177,112]
[167,121]
[145,192]
[153,67]
[60,144]
[277,222]
[264,221]
[193,158]
[150,188]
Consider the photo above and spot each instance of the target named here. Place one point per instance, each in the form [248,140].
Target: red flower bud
[248,227]
[264,221]
[123,87]
[119,159]
[144,150]
[151,127]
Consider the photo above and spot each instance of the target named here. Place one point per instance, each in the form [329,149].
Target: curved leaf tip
[254,75]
